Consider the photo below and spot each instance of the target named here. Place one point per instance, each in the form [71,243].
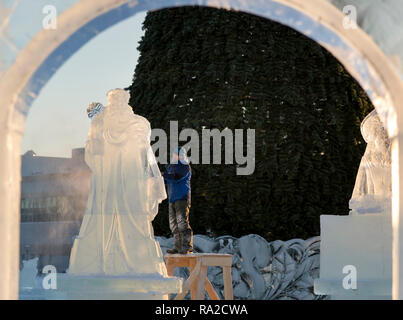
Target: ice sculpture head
[94,108]
[118,98]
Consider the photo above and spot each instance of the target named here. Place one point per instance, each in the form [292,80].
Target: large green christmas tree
[214,68]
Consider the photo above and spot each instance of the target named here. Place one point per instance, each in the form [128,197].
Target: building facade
[54,193]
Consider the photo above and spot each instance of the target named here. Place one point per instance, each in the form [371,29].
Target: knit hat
[181,152]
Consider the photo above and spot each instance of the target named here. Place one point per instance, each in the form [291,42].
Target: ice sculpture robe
[116,236]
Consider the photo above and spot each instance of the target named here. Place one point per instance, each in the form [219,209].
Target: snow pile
[261,270]
[264,270]
[28,274]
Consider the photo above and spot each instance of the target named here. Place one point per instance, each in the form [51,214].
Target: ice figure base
[366,290]
[132,287]
[360,240]
[94,287]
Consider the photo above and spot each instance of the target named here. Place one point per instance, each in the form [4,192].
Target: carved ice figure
[116,235]
[373,189]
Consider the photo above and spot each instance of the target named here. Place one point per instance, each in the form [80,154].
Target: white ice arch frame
[48,50]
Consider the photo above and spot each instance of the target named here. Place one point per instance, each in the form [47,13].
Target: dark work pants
[179,225]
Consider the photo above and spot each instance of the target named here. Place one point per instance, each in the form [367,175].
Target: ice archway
[30,55]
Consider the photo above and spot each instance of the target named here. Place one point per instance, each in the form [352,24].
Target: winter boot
[187,242]
[177,244]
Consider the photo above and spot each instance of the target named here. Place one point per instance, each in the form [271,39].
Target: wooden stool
[198,282]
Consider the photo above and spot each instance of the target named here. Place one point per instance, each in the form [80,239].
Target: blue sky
[57,121]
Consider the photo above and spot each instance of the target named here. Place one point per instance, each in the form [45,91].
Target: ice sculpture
[261,270]
[373,189]
[361,242]
[116,236]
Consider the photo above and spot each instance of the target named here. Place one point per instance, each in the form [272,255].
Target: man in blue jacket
[177,180]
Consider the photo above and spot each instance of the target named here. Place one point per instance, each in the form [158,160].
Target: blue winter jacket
[177,180]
